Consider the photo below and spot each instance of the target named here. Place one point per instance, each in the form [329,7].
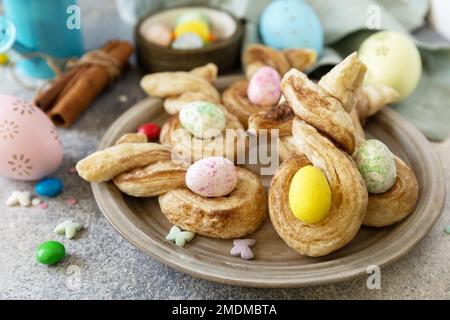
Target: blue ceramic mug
[43,26]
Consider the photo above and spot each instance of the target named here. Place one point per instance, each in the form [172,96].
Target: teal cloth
[344,23]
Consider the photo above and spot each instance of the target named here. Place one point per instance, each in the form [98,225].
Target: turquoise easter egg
[49,187]
[288,24]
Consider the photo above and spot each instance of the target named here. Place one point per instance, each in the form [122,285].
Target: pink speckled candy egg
[158,33]
[212,177]
[264,87]
[30,148]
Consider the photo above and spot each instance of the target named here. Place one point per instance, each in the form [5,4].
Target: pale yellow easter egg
[392,59]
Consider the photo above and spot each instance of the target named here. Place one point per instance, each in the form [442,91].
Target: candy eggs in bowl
[201,34]
[30,148]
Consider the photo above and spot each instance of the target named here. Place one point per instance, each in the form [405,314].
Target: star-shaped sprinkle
[242,248]
[68,228]
[19,197]
[180,238]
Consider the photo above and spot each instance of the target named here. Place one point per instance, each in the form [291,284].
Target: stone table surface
[103,265]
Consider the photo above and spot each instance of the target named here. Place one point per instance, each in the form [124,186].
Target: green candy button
[50,252]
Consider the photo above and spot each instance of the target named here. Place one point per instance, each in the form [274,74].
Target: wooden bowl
[141,222]
[225,53]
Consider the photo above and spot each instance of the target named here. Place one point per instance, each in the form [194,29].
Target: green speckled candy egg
[203,119]
[377,166]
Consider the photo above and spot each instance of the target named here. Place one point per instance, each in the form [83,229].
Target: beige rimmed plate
[141,222]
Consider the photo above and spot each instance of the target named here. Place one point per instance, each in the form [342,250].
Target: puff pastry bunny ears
[180,88]
[323,133]
[142,169]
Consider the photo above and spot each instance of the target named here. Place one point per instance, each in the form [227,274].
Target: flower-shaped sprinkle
[20,164]
[242,248]
[180,238]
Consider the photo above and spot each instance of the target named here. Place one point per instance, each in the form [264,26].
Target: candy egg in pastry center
[203,119]
[212,177]
[310,195]
[377,166]
[264,87]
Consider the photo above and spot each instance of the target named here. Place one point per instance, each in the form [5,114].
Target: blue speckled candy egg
[49,187]
[291,24]
[188,40]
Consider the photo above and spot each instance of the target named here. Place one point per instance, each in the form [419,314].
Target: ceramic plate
[141,222]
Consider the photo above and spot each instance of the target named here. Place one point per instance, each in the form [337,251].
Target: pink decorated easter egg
[30,148]
[212,177]
[264,87]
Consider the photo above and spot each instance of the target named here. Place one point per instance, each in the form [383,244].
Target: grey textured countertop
[102,265]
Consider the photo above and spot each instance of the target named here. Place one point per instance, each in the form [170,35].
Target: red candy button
[151,130]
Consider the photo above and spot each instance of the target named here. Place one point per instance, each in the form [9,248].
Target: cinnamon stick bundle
[72,92]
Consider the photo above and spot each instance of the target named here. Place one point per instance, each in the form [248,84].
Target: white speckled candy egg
[212,177]
[376,164]
[158,33]
[29,144]
[203,119]
[392,59]
[264,87]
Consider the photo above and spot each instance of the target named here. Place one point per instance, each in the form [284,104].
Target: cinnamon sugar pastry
[180,88]
[395,204]
[190,148]
[399,201]
[344,83]
[254,57]
[153,173]
[326,150]
[257,55]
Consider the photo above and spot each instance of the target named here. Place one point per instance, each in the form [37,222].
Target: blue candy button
[49,187]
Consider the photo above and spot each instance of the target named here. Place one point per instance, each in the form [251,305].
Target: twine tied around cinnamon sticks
[71,92]
[99,58]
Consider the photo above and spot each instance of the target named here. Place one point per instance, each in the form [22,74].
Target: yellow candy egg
[392,59]
[197,27]
[310,195]
[4,60]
